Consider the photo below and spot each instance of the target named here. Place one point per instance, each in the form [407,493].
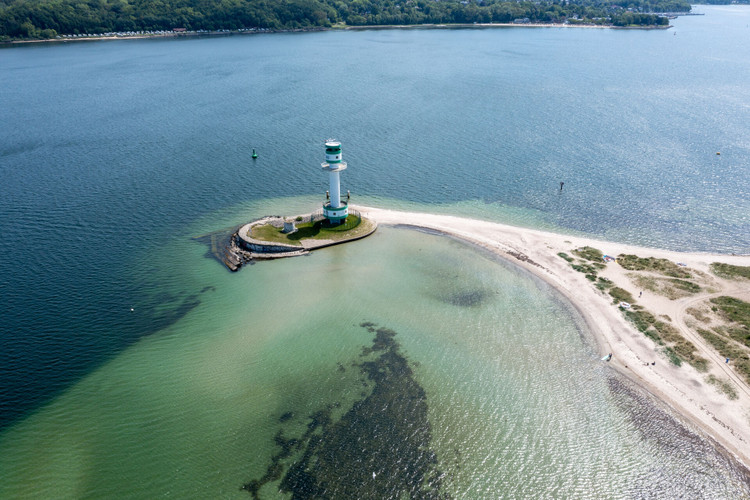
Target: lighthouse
[334,209]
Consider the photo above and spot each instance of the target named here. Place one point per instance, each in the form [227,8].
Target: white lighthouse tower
[335,210]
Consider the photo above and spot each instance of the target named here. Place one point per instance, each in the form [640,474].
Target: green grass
[676,347]
[641,319]
[320,230]
[672,356]
[698,314]
[645,282]
[735,310]
[589,262]
[604,284]
[661,266]
[729,271]
[739,357]
[654,336]
[686,286]
[740,334]
[672,288]
[620,295]
[725,386]
[719,343]
[682,347]
[565,256]
[589,253]
[272,234]
[584,268]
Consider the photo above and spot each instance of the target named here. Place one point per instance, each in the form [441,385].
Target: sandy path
[683,388]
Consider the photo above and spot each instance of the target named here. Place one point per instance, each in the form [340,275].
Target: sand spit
[684,388]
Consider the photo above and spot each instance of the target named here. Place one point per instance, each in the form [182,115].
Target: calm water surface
[119,152]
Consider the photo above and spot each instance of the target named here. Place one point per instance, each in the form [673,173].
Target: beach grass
[660,266]
[620,295]
[729,349]
[725,325]
[684,285]
[672,288]
[565,256]
[589,262]
[724,386]
[663,333]
[604,284]
[672,356]
[590,253]
[584,268]
[736,311]
[677,348]
[729,271]
[698,314]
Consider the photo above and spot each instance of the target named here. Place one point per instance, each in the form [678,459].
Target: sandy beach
[683,388]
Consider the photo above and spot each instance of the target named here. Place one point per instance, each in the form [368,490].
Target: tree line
[35,19]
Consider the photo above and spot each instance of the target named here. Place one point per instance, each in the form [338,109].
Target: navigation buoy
[255,155]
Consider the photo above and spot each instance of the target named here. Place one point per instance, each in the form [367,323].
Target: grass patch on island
[271,234]
[353,227]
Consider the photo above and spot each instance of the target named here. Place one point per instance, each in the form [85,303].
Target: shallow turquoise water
[122,152]
[518,400]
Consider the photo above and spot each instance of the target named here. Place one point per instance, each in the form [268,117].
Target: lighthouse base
[335,214]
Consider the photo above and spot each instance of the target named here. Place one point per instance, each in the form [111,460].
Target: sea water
[514,399]
[132,365]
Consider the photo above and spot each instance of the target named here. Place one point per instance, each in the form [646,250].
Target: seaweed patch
[466,298]
[380,448]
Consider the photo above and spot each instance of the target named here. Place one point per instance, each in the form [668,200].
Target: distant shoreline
[140,36]
[503,25]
